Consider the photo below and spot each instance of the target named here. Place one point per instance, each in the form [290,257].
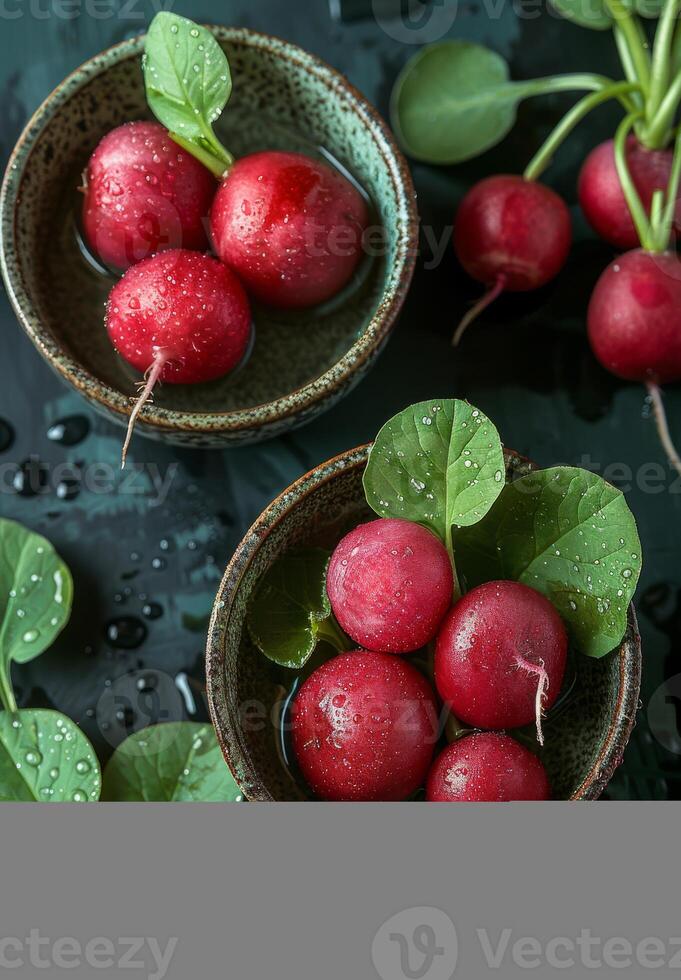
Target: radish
[143,194]
[291,227]
[634,316]
[364,726]
[390,583]
[500,657]
[180,317]
[600,191]
[486,768]
[510,234]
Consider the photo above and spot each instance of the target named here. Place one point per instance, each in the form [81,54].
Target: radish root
[542,676]
[147,386]
[478,308]
[655,395]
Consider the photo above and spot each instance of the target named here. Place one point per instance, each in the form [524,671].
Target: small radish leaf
[45,758]
[438,463]
[290,612]
[569,534]
[36,592]
[453,101]
[178,762]
[586,13]
[188,85]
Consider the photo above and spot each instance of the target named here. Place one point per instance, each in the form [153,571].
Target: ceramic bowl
[302,363]
[588,734]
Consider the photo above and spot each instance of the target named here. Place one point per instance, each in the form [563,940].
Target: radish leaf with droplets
[36,592]
[438,463]
[570,535]
[45,758]
[188,85]
[178,762]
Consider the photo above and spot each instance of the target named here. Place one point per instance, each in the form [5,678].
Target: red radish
[510,234]
[500,656]
[634,323]
[390,583]
[143,194]
[180,317]
[290,227]
[486,768]
[601,195]
[364,726]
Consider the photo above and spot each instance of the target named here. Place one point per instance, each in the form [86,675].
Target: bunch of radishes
[513,233]
[365,724]
[153,205]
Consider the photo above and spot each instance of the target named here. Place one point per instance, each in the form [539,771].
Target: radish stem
[655,396]
[6,693]
[543,157]
[633,200]
[476,310]
[635,40]
[662,48]
[151,378]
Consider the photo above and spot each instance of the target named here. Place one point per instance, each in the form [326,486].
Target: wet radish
[180,317]
[486,767]
[390,583]
[600,190]
[143,194]
[364,727]
[511,234]
[290,227]
[500,657]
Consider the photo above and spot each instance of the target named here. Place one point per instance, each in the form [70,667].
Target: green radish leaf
[188,84]
[45,757]
[587,13]
[290,612]
[36,593]
[570,535]
[438,463]
[178,762]
[647,8]
[453,101]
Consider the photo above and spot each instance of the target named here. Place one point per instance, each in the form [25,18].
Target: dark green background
[527,365]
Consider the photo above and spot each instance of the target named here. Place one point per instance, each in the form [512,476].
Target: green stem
[6,692]
[635,41]
[663,227]
[450,551]
[544,155]
[633,200]
[657,130]
[662,52]
[563,83]
[329,631]
[217,159]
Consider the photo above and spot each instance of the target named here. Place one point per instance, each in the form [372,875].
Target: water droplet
[498,476]
[83,767]
[31,478]
[69,431]
[79,796]
[126,632]
[6,436]
[152,610]
[30,636]
[33,758]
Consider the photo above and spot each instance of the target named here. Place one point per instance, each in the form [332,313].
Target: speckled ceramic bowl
[302,363]
[586,736]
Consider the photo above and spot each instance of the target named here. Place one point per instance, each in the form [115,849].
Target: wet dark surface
[147,548]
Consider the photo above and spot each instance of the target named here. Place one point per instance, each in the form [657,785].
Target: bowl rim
[226,721]
[300,400]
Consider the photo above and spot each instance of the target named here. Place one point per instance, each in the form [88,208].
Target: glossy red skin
[390,584]
[144,195]
[184,304]
[515,228]
[477,651]
[486,768]
[290,227]
[601,195]
[634,317]
[364,727]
